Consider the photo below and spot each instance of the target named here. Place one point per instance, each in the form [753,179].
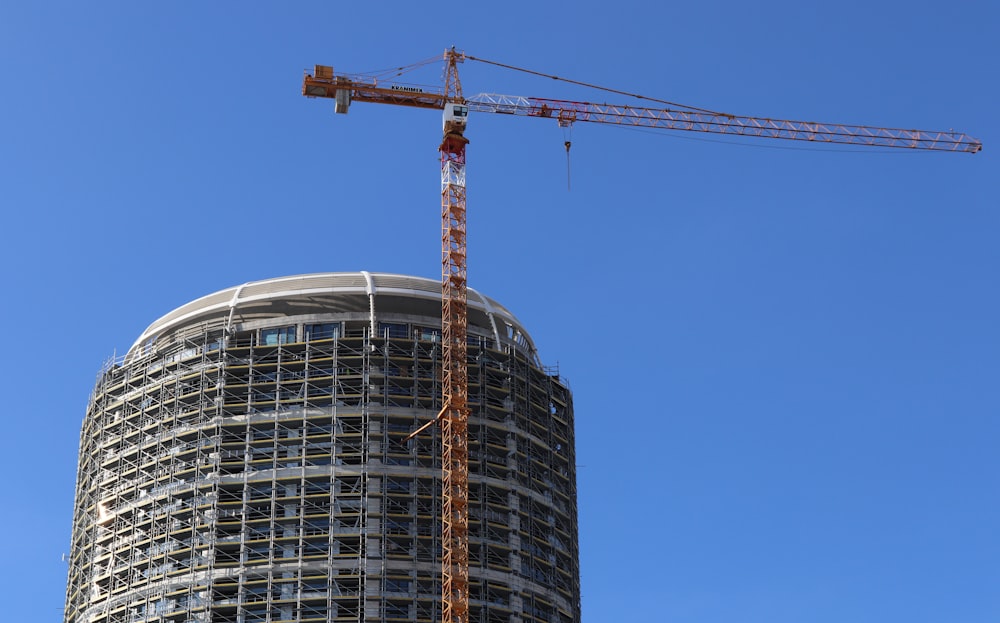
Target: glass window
[392,330]
[277,335]
[397,585]
[325,331]
[431,334]
[396,486]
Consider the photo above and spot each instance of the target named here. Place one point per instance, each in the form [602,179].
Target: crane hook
[568,144]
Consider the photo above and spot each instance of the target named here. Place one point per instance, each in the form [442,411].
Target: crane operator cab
[455,116]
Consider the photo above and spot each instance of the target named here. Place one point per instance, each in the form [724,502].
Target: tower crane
[345,89]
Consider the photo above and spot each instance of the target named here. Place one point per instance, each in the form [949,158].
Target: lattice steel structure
[246,462]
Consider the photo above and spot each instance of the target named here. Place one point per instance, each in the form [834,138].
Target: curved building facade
[246,462]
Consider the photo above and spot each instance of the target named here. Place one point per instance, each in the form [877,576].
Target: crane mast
[454,370]
[453,417]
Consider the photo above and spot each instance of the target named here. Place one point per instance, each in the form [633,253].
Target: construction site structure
[347,88]
[249,460]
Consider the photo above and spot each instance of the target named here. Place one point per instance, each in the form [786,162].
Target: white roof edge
[483,303]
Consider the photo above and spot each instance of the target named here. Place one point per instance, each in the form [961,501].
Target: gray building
[246,462]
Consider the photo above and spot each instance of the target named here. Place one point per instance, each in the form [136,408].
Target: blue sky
[784,358]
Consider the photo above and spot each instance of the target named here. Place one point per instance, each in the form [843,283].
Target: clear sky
[784,357]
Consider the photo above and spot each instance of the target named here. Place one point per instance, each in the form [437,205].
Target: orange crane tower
[453,417]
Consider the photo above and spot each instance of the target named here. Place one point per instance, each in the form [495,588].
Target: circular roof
[347,285]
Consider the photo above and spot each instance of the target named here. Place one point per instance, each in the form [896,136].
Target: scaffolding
[261,474]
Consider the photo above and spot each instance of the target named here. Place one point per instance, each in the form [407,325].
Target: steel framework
[246,462]
[455,381]
[566,111]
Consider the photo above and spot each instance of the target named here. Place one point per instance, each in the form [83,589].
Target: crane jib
[717,123]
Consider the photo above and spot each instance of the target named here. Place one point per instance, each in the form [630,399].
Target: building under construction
[246,461]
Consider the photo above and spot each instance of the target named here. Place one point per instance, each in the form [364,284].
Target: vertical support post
[455,384]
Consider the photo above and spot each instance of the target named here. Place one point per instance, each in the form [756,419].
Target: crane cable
[395,72]
[567,143]
[594,86]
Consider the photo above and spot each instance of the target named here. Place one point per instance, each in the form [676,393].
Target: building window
[325,331]
[430,334]
[397,585]
[392,330]
[277,335]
